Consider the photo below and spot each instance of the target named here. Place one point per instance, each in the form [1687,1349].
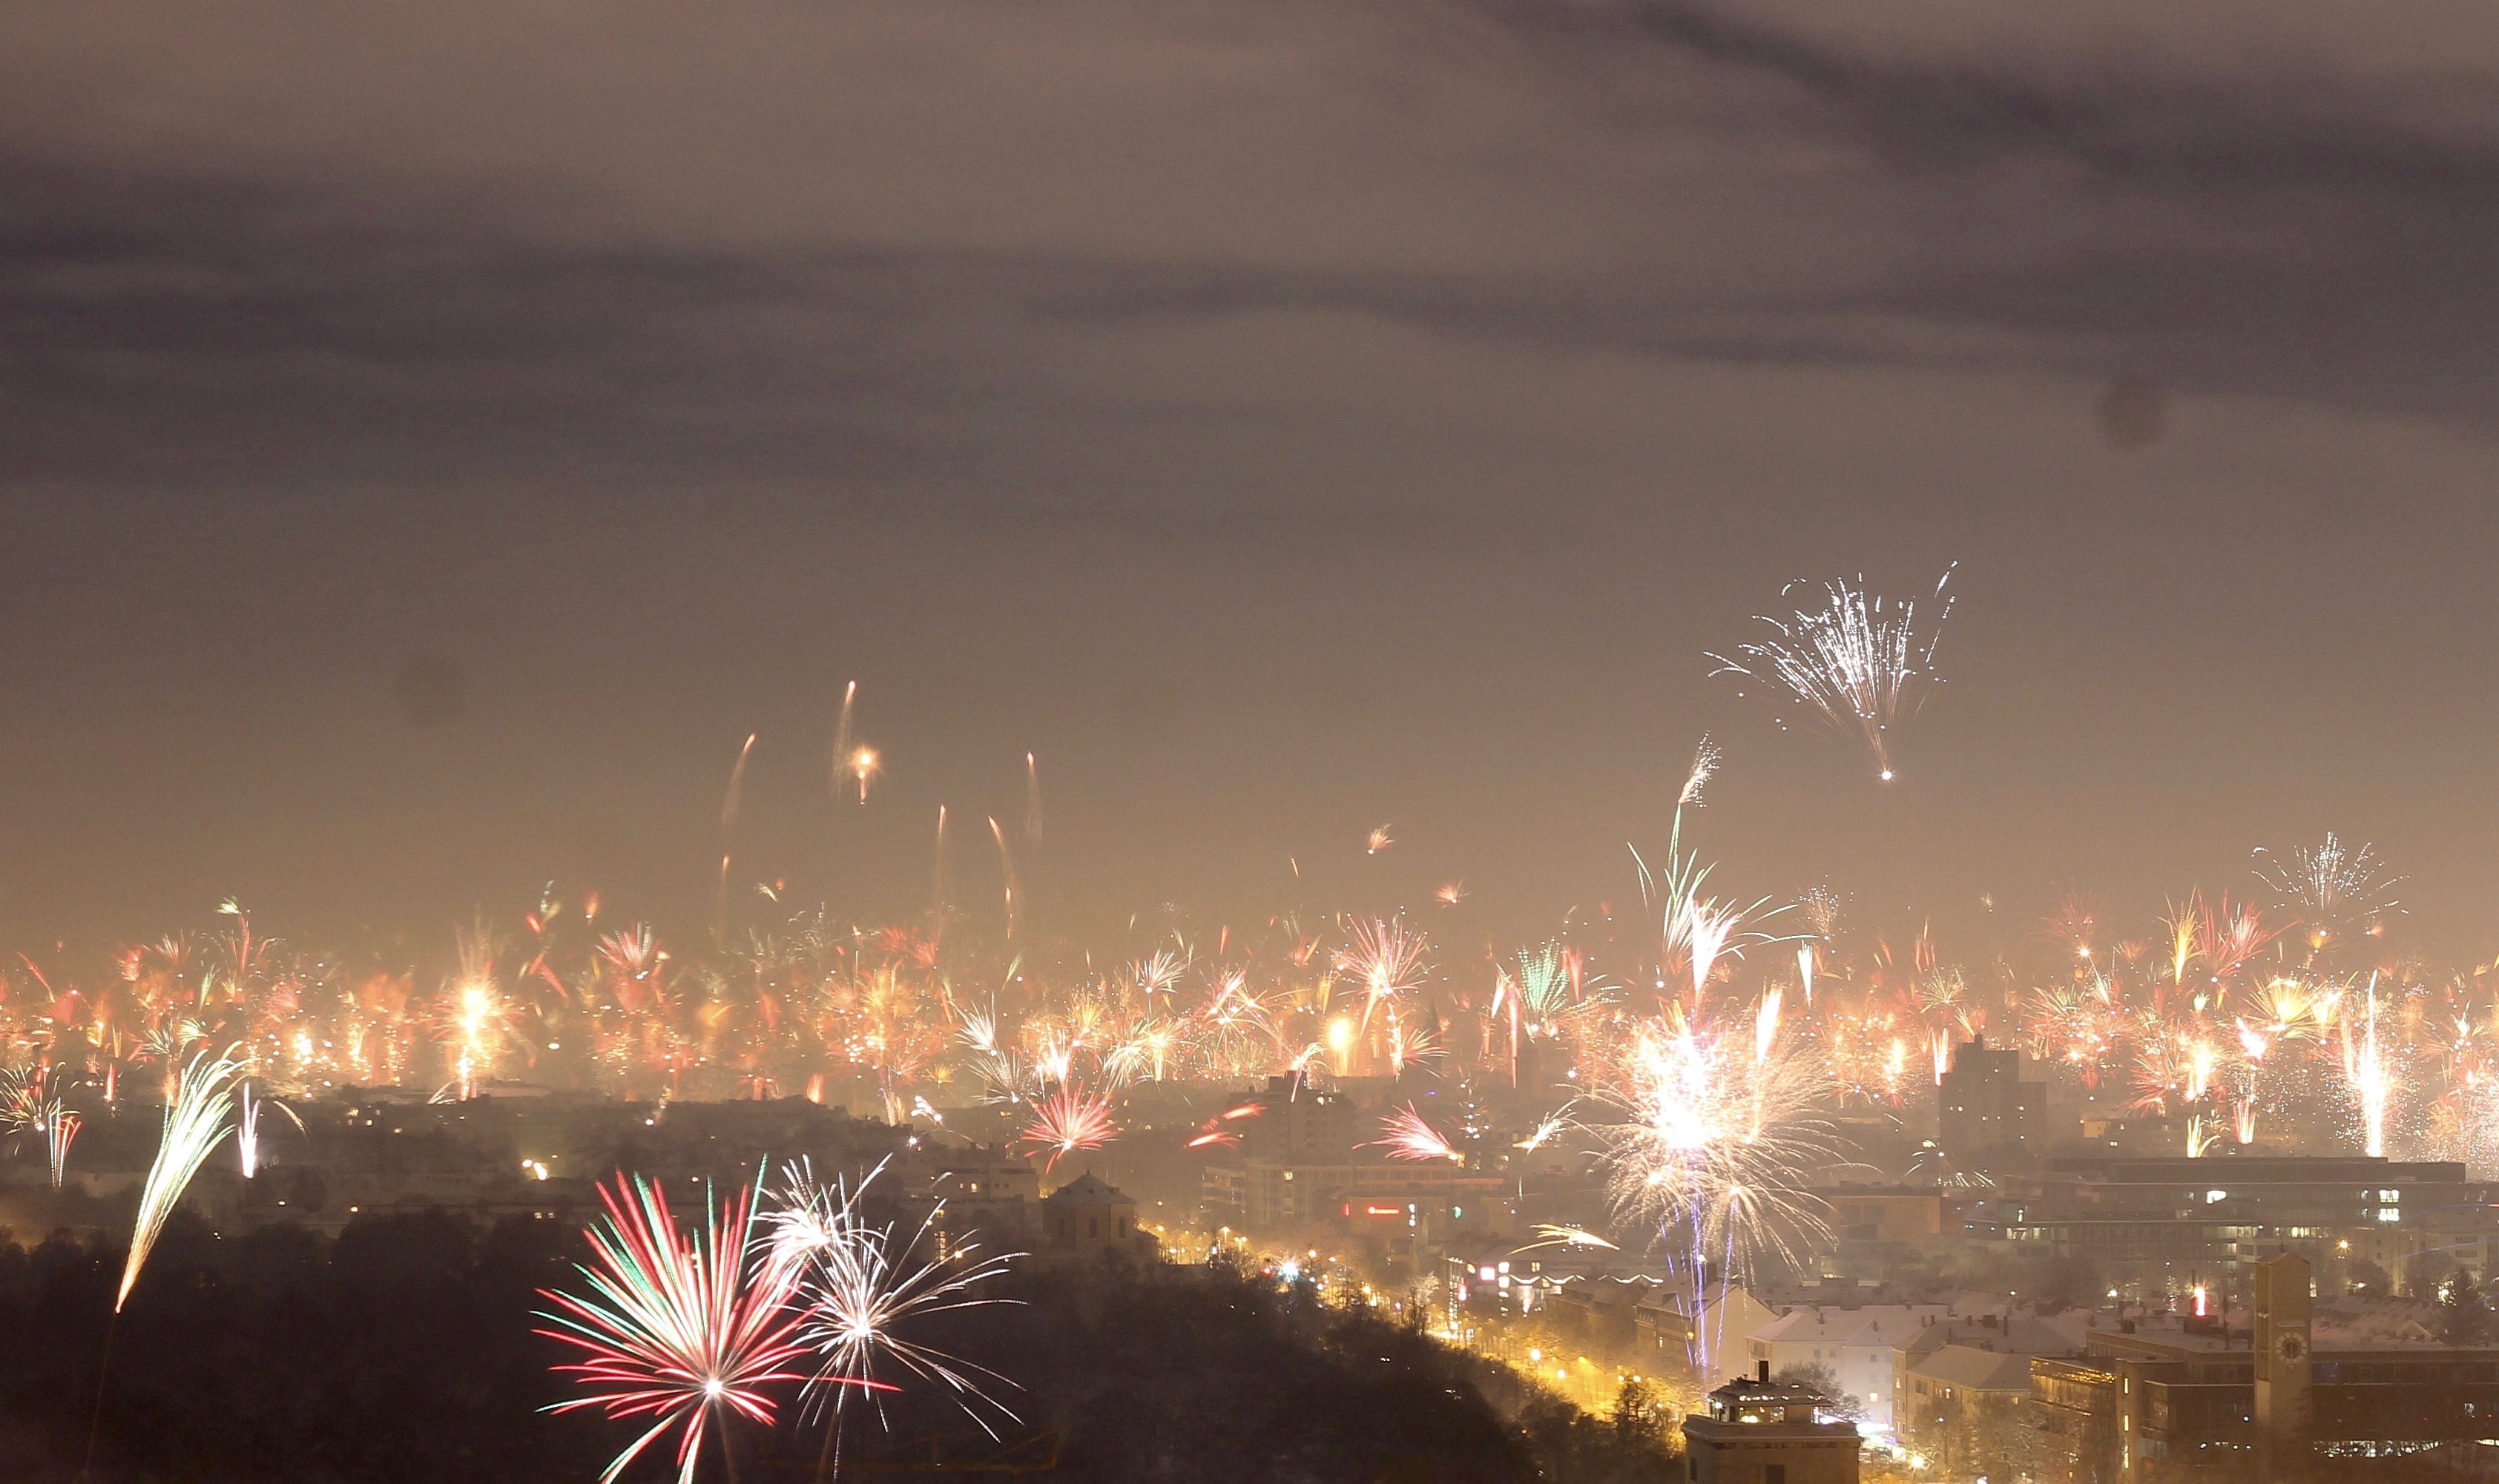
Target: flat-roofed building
[1757,1430]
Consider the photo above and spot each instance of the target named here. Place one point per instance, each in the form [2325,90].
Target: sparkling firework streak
[2373,1079]
[861,1291]
[2336,888]
[684,1329]
[1408,1137]
[247,1133]
[1695,931]
[1031,801]
[1716,1142]
[1550,1235]
[60,1131]
[843,751]
[1386,959]
[195,1124]
[1859,660]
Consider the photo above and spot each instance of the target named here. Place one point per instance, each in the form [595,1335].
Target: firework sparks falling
[195,1124]
[1859,660]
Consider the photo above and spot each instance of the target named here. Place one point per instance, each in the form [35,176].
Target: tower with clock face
[2282,1363]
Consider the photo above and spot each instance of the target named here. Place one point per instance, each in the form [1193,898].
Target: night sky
[435,437]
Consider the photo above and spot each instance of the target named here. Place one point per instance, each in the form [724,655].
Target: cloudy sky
[434,436]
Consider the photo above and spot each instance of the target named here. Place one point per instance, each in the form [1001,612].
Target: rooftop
[1087,1190]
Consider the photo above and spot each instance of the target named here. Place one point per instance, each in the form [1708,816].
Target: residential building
[2149,1221]
[2179,1396]
[1757,1430]
[1985,1113]
[1087,1217]
[1854,1345]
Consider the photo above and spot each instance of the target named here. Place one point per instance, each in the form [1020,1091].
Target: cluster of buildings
[2305,1388]
[2041,1298]
[1303,1159]
[2065,1302]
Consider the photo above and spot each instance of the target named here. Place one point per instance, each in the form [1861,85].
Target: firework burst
[862,1291]
[684,1329]
[1408,1137]
[1859,660]
[1717,1137]
[1068,1120]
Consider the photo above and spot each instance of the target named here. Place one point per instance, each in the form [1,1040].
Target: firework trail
[1551,1234]
[842,747]
[1013,888]
[2373,1079]
[1031,802]
[1408,1137]
[247,1132]
[1697,930]
[1548,1129]
[60,1131]
[1859,661]
[684,1329]
[1378,840]
[729,801]
[195,1124]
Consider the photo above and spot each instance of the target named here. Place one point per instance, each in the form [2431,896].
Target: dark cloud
[193,326]
[1282,416]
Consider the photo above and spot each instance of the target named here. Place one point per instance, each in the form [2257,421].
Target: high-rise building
[1985,1111]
